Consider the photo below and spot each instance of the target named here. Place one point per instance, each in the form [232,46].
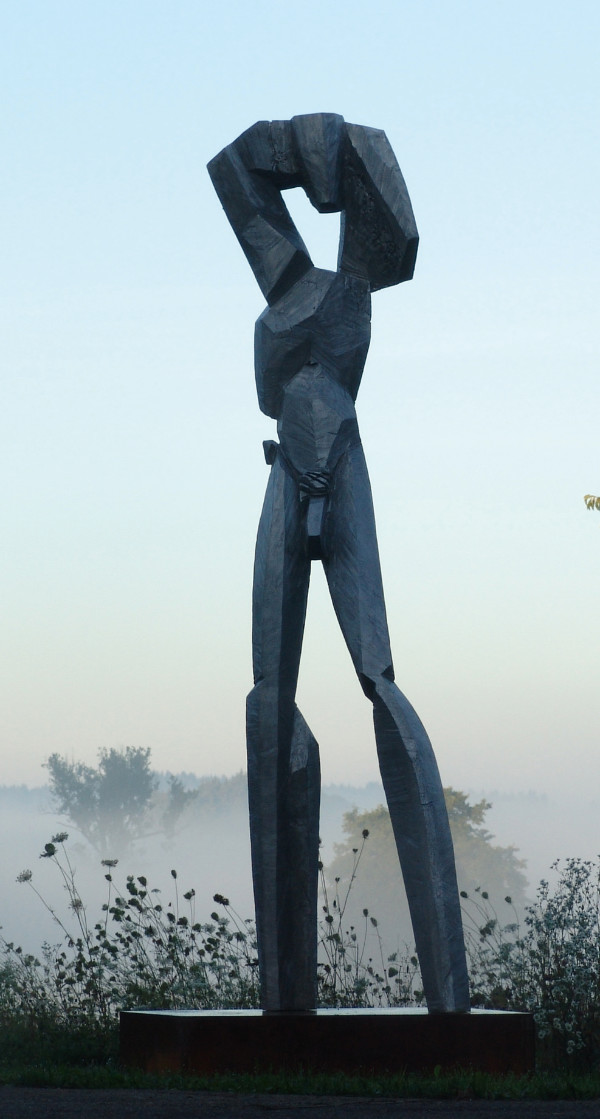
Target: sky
[130,435]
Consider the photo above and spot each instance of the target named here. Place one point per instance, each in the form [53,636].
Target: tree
[379,888]
[479,862]
[116,804]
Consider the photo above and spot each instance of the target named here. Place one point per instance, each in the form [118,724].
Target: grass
[38,1055]
[451,1085]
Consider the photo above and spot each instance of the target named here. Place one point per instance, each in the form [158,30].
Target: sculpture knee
[397,725]
[267,709]
[269,688]
[369,681]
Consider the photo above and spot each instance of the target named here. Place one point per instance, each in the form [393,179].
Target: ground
[60,1103]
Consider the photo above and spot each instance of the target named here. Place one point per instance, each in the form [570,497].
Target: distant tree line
[121,802]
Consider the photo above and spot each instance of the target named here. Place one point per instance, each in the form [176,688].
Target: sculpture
[311,345]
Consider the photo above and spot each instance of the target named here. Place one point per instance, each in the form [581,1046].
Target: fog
[211,852]
[544,829]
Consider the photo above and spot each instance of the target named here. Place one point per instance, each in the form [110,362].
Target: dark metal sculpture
[311,345]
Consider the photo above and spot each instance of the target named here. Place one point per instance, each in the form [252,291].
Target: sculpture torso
[325,318]
[317,417]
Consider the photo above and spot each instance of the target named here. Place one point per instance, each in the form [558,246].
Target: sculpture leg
[283,759]
[408,768]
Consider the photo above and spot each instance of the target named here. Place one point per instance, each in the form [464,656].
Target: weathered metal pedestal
[364,1041]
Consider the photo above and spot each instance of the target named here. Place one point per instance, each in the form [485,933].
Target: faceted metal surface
[324,317]
[310,349]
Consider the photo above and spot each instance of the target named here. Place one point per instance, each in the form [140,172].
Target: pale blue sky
[130,435]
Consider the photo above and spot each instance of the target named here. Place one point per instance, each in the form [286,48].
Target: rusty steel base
[377,1041]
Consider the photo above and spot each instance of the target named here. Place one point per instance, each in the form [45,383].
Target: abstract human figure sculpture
[311,345]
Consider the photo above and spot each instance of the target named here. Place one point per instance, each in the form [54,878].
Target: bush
[144,953]
[552,968]
[347,974]
[140,953]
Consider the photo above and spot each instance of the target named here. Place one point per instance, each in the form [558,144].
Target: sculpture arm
[248,177]
[378,238]
[342,167]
